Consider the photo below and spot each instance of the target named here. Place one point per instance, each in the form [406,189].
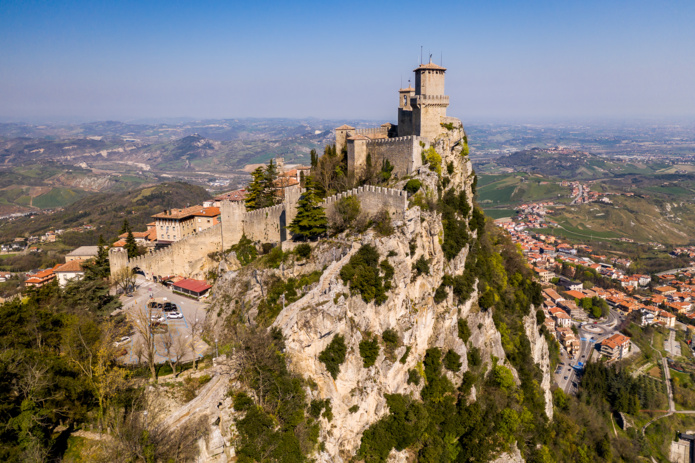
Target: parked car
[122,340]
[158,318]
[174,315]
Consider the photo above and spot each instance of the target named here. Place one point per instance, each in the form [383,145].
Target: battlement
[382,131]
[372,200]
[365,189]
[261,213]
[395,140]
[431,99]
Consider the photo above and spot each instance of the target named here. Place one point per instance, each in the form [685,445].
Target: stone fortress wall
[372,200]
[189,256]
[374,132]
[402,152]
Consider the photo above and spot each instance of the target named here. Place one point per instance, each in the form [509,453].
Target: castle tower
[405,111]
[357,154]
[429,102]
[342,133]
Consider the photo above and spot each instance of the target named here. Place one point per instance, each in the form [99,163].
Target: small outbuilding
[190,287]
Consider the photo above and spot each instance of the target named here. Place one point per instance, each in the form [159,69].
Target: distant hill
[106,212]
[569,164]
[49,185]
[214,145]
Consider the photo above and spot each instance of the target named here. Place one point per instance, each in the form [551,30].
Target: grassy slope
[512,189]
[637,218]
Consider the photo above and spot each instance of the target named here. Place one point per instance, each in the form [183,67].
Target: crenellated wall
[187,257]
[372,200]
[266,225]
[402,152]
[374,132]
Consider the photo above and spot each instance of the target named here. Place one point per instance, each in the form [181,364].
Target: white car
[174,315]
[121,341]
[158,319]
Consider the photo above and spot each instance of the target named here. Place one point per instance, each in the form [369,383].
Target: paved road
[192,310]
[667,376]
[590,335]
[672,346]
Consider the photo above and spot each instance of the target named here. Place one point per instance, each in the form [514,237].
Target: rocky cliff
[420,308]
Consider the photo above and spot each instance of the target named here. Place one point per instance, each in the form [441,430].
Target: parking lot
[178,328]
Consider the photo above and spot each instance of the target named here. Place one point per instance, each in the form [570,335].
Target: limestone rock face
[328,308]
[513,456]
[310,324]
[541,356]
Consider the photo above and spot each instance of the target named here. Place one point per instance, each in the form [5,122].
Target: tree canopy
[310,221]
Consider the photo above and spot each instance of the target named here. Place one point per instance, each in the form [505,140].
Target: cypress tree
[310,221]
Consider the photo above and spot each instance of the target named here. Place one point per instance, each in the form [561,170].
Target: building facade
[176,224]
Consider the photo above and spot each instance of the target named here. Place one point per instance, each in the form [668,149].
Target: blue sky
[507,60]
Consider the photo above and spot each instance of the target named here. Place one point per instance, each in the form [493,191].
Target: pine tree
[261,190]
[269,176]
[314,159]
[98,269]
[131,246]
[310,222]
[125,228]
[254,191]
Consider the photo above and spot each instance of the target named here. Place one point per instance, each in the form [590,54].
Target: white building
[71,270]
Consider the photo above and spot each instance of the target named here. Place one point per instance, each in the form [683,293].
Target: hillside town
[587,295]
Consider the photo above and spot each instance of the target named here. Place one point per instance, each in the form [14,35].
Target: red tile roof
[197,286]
[72,266]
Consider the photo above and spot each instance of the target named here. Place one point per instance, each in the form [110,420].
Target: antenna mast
[420,54]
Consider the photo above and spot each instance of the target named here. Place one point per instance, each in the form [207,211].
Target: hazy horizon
[208,60]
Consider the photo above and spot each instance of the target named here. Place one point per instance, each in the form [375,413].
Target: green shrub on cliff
[334,355]
[413,186]
[369,350]
[433,159]
[245,251]
[366,276]
[455,210]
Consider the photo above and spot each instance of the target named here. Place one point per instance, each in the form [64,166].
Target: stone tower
[342,133]
[405,111]
[429,102]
